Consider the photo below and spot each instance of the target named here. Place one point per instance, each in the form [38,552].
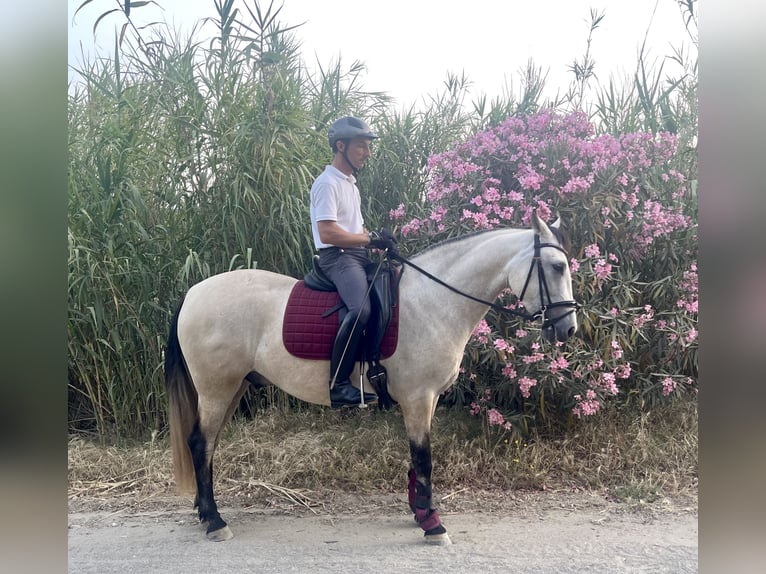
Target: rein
[524,314]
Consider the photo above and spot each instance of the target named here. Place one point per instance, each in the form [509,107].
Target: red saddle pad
[308,335]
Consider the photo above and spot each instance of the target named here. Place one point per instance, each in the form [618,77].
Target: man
[340,237]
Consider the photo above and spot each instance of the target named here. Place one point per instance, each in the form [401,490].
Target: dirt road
[530,534]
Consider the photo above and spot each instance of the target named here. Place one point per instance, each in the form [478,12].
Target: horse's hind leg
[418,421]
[213,415]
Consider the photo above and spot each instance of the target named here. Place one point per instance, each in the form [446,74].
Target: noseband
[524,314]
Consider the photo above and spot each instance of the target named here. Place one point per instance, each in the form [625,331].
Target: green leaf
[104,15]
[81,7]
[122,32]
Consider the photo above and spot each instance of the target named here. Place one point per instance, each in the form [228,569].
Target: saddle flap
[384,293]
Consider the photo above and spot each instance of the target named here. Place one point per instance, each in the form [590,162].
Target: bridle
[544,307]
[545,297]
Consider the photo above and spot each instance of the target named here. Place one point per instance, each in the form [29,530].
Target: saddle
[314,312]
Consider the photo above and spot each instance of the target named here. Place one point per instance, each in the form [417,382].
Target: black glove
[383,239]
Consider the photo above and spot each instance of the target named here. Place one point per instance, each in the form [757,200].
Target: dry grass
[302,458]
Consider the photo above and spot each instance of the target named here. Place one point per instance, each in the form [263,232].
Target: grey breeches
[346,268]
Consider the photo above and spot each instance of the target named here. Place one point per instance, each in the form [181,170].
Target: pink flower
[603,269]
[623,179]
[558,363]
[531,180]
[644,318]
[668,386]
[576,184]
[606,382]
[532,358]
[502,345]
[438,214]
[481,331]
[592,250]
[412,227]
[509,371]
[543,211]
[588,406]
[525,383]
[622,371]
[397,213]
[495,417]
[574,265]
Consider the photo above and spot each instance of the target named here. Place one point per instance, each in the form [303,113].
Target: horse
[226,335]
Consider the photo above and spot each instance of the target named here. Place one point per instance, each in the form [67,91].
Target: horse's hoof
[220,535]
[438,539]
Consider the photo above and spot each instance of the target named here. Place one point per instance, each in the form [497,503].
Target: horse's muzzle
[561,327]
[558,333]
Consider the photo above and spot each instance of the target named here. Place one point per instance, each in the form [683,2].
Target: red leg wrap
[428,518]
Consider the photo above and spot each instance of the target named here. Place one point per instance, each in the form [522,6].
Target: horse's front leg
[419,491]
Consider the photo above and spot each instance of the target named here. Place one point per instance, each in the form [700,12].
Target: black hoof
[220,535]
[214,524]
[436,530]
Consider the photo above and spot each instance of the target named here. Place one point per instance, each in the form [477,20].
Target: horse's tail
[182,408]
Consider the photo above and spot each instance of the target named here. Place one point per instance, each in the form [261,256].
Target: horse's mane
[561,236]
[454,239]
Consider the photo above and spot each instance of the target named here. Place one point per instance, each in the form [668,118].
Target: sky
[409,46]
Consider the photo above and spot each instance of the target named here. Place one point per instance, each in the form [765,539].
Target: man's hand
[384,240]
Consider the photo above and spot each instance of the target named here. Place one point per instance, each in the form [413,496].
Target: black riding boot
[344,393]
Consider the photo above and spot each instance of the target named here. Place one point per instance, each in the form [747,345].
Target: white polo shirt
[335,197]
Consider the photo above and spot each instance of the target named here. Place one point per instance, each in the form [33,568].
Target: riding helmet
[347,128]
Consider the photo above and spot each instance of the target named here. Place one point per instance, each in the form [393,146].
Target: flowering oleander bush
[629,205]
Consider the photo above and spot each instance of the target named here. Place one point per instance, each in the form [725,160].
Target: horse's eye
[559,268]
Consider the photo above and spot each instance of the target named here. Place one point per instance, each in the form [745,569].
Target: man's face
[358,152]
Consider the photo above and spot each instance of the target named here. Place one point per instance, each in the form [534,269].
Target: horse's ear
[556,223]
[538,225]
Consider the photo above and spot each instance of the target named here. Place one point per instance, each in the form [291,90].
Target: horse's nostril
[571,331]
